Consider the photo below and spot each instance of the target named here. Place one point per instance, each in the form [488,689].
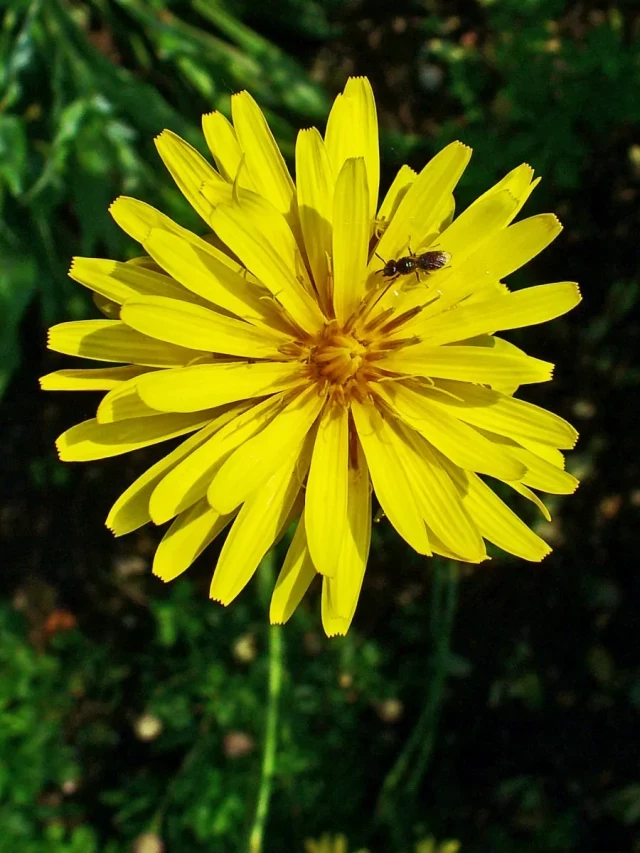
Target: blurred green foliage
[130,714]
[544,90]
[84,89]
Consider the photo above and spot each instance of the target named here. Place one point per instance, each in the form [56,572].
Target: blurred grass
[132,713]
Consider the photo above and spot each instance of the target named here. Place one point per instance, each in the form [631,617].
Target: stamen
[377,321]
[383,347]
[400,320]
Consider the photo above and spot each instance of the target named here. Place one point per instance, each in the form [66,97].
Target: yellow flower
[306,373]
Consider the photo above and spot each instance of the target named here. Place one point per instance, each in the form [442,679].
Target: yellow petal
[206,385]
[102,379]
[183,324]
[499,524]
[476,224]
[256,528]
[108,308]
[396,192]
[502,414]
[186,539]
[551,454]
[314,181]
[531,496]
[344,588]
[441,549]
[499,345]
[294,579]
[123,403]
[188,169]
[448,211]
[389,477]
[223,144]
[189,480]
[421,208]
[131,510]
[470,364]
[261,238]
[436,495]
[145,262]
[199,267]
[91,440]
[543,475]
[350,238]
[460,443]
[517,245]
[332,622]
[258,458]
[263,160]
[117,281]
[327,490]
[503,253]
[497,313]
[352,131]
[111,340]
[518,181]
[138,220]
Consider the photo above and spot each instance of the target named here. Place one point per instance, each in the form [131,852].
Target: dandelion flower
[306,376]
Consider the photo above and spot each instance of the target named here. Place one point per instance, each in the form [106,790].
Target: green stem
[276,656]
[433,705]
[413,761]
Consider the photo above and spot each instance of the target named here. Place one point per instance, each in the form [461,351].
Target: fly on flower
[301,382]
[427,262]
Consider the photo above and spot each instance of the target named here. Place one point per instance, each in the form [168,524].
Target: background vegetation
[131,714]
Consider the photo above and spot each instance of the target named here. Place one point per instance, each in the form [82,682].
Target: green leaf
[13,153]
[18,277]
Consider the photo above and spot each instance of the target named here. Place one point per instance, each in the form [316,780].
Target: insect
[426,262]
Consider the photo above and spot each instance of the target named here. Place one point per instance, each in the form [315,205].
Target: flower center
[343,360]
[338,358]
[340,363]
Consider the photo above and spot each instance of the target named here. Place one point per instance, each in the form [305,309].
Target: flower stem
[276,656]
[412,763]
[442,628]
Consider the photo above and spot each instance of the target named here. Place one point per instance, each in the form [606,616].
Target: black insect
[426,262]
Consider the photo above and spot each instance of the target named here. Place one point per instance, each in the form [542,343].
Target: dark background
[128,707]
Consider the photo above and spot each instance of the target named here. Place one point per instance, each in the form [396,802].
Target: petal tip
[116,204]
[61,450]
[156,514]
[546,552]
[158,573]
[112,527]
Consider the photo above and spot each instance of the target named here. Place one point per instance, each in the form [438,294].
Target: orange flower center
[338,357]
[339,363]
[343,360]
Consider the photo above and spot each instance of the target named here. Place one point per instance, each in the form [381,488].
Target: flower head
[317,348]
